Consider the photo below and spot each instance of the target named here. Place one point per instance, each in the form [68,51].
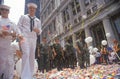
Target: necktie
[31,23]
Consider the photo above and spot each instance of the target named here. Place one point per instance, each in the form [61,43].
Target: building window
[75,7]
[107,1]
[79,18]
[94,8]
[75,21]
[53,4]
[86,2]
[98,33]
[65,28]
[66,15]
[116,22]
[92,0]
[88,12]
[69,26]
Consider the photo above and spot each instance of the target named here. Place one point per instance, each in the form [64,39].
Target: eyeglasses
[3,9]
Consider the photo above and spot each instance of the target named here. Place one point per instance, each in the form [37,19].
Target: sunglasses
[3,9]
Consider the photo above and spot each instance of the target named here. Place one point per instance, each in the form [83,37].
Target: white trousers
[6,63]
[28,49]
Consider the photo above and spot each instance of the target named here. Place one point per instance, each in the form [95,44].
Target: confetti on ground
[93,72]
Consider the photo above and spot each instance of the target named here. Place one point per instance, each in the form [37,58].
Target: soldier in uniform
[51,56]
[70,54]
[7,31]
[58,54]
[44,55]
[86,56]
[80,54]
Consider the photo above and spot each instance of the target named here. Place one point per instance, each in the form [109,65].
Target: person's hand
[13,34]
[1,35]
[21,38]
[19,54]
[36,30]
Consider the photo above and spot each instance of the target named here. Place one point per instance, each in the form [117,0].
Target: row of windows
[50,29]
[43,3]
[74,6]
[48,10]
[75,10]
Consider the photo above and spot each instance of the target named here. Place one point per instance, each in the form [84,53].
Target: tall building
[71,19]
[36,2]
[1,1]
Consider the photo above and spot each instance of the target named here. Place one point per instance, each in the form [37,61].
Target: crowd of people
[54,56]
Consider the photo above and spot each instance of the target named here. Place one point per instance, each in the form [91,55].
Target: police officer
[58,54]
[30,27]
[7,30]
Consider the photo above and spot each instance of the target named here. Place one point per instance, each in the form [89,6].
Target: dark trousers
[44,62]
[97,60]
[105,58]
[58,62]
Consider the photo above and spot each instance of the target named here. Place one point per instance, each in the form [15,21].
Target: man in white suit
[30,27]
[7,30]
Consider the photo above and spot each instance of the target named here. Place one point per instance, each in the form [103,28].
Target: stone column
[88,34]
[108,29]
[82,7]
[74,38]
[70,14]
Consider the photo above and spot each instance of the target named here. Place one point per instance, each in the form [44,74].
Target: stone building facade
[71,19]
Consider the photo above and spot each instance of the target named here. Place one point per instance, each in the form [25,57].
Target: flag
[6,27]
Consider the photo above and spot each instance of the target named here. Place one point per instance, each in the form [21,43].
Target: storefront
[98,34]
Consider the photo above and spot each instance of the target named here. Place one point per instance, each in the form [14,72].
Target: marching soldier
[80,54]
[51,56]
[58,54]
[44,55]
[86,56]
[70,54]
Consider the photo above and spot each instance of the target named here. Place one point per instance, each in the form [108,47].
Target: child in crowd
[97,55]
[111,56]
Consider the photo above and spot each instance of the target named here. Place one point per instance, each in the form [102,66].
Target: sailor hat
[4,7]
[31,5]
